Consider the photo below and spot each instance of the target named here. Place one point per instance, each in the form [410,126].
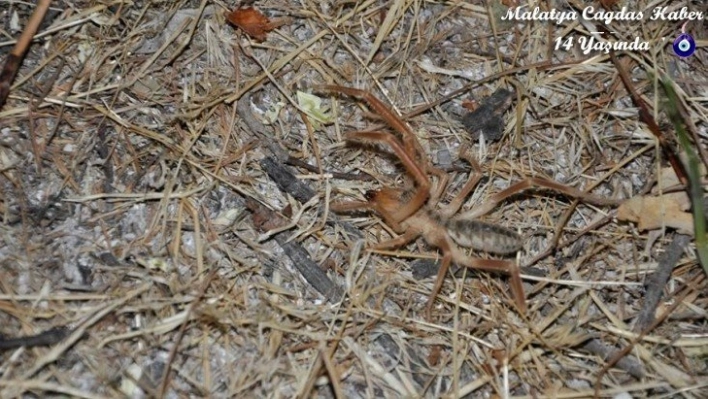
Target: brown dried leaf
[651,213]
[253,22]
[510,3]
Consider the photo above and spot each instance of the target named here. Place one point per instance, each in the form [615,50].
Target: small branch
[46,338]
[657,281]
[628,363]
[646,116]
[14,60]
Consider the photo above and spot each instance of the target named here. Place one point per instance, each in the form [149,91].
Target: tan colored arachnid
[414,213]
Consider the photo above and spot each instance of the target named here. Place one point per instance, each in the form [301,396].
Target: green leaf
[312,105]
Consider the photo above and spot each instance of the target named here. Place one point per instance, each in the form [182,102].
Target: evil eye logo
[684,45]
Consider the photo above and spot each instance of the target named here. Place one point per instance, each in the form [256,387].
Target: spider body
[462,230]
[483,236]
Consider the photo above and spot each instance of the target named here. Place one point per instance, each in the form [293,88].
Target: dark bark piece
[46,338]
[487,119]
[309,269]
[264,219]
[288,183]
[657,281]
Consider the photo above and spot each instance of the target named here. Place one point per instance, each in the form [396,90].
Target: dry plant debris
[146,249]
[253,22]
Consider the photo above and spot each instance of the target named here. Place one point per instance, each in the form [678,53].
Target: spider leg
[472,181]
[411,145]
[498,266]
[535,182]
[408,150]
[409,140]
[348,206]
[446,249]
[453,253]
[440,183]
[398,212]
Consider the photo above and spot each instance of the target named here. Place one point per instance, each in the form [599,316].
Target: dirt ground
[170,172]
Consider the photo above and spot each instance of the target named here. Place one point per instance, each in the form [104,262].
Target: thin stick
[14,60]
[46,338]
[656,282]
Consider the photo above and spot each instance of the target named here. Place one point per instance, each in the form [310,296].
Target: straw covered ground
[166,181]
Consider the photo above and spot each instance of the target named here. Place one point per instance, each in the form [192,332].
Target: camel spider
[413,213]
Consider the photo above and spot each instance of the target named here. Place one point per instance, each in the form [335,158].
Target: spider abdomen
[483,236]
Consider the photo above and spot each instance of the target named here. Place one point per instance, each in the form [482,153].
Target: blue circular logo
[684,45]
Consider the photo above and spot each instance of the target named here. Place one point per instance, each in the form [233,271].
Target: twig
[657,281]
[14,60]
[46,338]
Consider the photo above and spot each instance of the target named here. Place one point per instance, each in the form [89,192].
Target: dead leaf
[651,213]
[253,22]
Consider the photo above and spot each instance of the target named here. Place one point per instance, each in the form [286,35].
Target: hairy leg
[538,183]
[446,248]
[408,137]
[452,253]
[408,150]
[472,181]
[399,241]
[441,179]
[497,266]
